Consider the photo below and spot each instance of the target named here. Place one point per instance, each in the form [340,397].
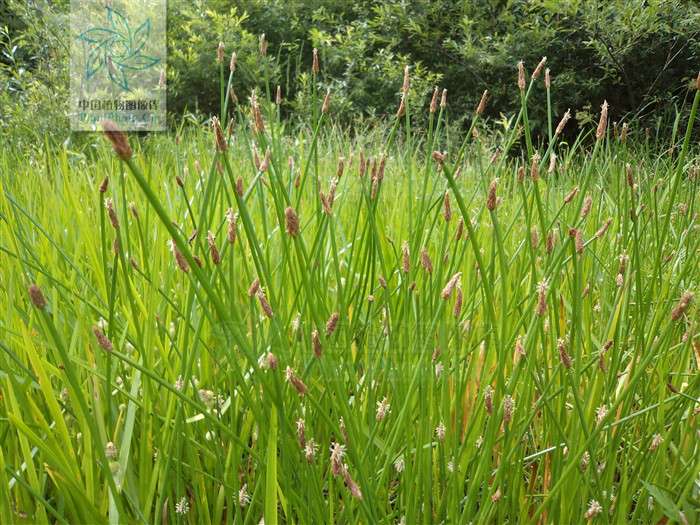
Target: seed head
[535,167]
[570,196]
[324,203]
[278,98]
[488,399]
[521,174]
[482,104]
[521,76]
[326,102]
[406,258]
[213,250]
[118,139]
[254,287]
[264,303]
[552,163]
[291,221]
[491,201]
[459,298]
[630,177]
[586,207]
[538,69]
[382,408]
[36,296]
[315,67]
[440,431]
[102,339]
[563,354]
[220,53]
[111,213]
[547,80]
[460,228]
[132,207]
[341,167]
[603,228]
[508,409]
[439,157]
[337,453]
[603,122]
[443,99]
[579,241]
[271,360]
[447,291]
[316,344]
[179,258]
[352,486]
[623,135]
[220,139]
[266,161]
[332,323]
[105,183]
[683,304]
[433,102]
[406,80]
[447,210]
[301,433]
[263,45]
[655,442]
[297,383]
[402,106]
[563,121]
[541,309]
[594,509]
[425,261]
[232,64]
[111,450]
[534,238]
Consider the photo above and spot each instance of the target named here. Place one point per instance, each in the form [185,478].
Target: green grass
[486,423]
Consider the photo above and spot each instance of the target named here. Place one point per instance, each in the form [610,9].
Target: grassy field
[351,329]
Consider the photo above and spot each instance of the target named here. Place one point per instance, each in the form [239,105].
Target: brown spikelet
[534,238]
[117,138]
[231,234]
[263,45]
[278,98]
[264,303]
[623,135]
[179,258]
[301,433]
[326,102]
[482,104]
[459,298]
[521,76]
[332,323]
[406,80]
[315,68]
[381,280]
[213,250]
[179,182]
[552,163]
[36,296]
[254,287]
[541,309]
[603,122]
[587,207]
[585,290]
[297,383]
[265,162]
[115,245]
[603,228]
[104,185]
[381,167]
[447,210]
[341,167]
[291,221]
[331,193]
[683,304]
[534,170]
[102,339]
[316,344]
[460,228]
[569,197]
[447,291]
[521,174]
[232,64]
[132,207]
[219,167]
[548,243]
[425,261]
[579,241]
[352,486]
[219,137]
[375,185]
[234,101]
[538,69]
[257,116]
[488,398]
[111,213]
[433,102]
[563,354]
[402,106]
[458,172]
[491,202]
[239,186]
[547,79]
[324,203]
[563,121]
[133,263]
[406,258]
[271,360]
[630,177]
[443,99]
[438,157]
[197,260]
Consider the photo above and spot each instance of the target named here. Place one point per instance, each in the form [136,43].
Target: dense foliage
[635,55]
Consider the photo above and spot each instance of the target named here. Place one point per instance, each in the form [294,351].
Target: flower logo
[117,48]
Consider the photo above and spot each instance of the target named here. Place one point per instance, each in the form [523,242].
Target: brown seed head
[571,195]
[291,221]
[278,98]
[352,486]
[603,122]
[232,64]
[263,45]
[316,344]
[541,309]
[220,139]
[315,67]
[231,234]
[104,185]
[521,174]
[697,82]
[447,291]
[459,298]
[603,228]
[213,250]
[297,383]
[563,354]
[446,209]
[438,157]
[683,304]
[132,206]
[271,360]
[179,258]
[460,228]
[482,104]
[443,99]
[381,280]
[102,339]
[630,176]
[254,287]
[548,243]
[341,167]
[534,170]
[406,258]
[491,198]
[547,80]
[521,76]
[239,186]
[402,106]
[301,433]
[111,213]
[133,263]
[425,261]
[406,80]
[534,238]
[433,102]
[579,241]
[332,323]
[326,102]
[36,296]
[587,207]
[538,69]
[220,53]
[563,121]
[118,139]
[266,161]
[623,135]
[264,303]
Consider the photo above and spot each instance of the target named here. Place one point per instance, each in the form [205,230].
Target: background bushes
[640,56]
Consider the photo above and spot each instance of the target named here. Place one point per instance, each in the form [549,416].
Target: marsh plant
[254,322]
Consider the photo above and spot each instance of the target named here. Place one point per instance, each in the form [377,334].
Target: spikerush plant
[483,377]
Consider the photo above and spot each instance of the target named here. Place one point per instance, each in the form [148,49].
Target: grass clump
[430,336]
